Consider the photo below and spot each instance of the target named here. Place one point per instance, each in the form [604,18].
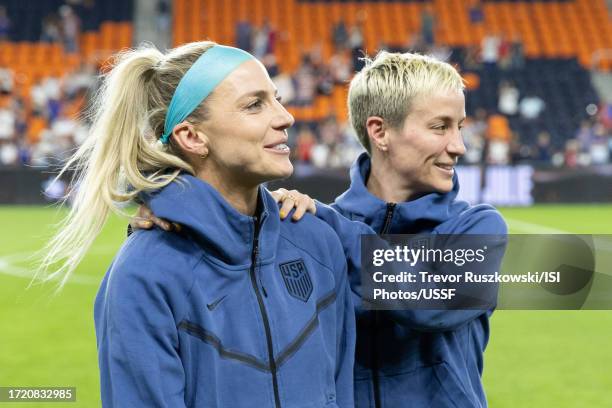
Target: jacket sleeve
[345,340]
[137,342]
[349,232]
[488,222]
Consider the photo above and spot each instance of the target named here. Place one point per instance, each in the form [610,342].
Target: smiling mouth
[278,148]
[445,166]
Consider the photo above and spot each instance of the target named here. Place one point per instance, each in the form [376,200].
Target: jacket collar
[419,215]
[224,233]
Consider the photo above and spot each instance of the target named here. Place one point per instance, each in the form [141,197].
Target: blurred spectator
[598,150]
[264,40]
[508,98]
[6,81]
[489,54]
[519,152]
[356,45]
[473,133]
[531,107]
[505,52]
[517,52]
[285,86]
[269,61]
[9,153]
[498,135]
[585,135]
[244,36]
[71,29]
[471,59]
[605,115]
[53,95]
[543,151]
[7,124]
[51,29]
[163,20]
[260,42]
[428,23]
[306,140]
[340,35]
[272,37]
[475,12]
[163,15]
[572,149]
[340,67]
[5,24]
[305,82]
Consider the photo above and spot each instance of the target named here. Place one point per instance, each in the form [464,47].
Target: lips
[279,146]
[446,166]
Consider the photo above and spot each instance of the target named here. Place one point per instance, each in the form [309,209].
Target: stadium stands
[544,48]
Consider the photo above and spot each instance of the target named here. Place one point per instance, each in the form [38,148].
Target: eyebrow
[447,118]
[260,93]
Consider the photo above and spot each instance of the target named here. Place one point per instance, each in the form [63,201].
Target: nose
[283,119]
[455,146]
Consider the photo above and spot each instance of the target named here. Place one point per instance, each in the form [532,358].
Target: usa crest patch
[297,280]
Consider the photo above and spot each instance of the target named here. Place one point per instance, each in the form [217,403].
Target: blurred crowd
[44,126]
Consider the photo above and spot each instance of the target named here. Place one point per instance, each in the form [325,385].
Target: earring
[203,156]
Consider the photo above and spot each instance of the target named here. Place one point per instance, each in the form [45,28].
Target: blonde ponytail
[121,156]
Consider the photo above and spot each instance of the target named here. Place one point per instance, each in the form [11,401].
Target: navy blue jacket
[234,311]
[414,358]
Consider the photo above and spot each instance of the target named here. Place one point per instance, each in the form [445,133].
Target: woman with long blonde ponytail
[237,308]
[121,157]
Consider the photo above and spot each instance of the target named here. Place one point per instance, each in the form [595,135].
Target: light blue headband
[199,81]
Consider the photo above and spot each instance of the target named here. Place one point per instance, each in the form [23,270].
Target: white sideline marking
[529,227]
[532,228]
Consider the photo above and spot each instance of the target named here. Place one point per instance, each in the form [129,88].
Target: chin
[443,186]
[280,172]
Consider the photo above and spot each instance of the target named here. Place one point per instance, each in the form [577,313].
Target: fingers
[304,203]
[288,204]
[279,194]
[161,223]
[145,219]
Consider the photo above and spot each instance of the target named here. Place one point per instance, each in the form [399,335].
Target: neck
[386,184]
[241,197]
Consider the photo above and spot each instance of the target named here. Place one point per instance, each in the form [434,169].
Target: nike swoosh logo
[213,305]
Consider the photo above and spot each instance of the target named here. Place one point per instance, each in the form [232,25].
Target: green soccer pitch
[534,358]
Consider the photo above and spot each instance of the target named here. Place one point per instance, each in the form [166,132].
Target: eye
[255,105]
[279,99]
[440,127]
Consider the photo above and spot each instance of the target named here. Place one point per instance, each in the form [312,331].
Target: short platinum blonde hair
[388,85]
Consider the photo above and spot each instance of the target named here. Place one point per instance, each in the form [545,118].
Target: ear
[192,141]
[377,131]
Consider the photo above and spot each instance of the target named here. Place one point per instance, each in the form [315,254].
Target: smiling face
[426,148]
[245,128]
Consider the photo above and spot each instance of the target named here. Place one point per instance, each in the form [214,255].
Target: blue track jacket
[414,358]
[234,311]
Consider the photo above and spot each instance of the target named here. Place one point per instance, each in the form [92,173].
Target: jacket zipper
[374,363]
[264,314]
